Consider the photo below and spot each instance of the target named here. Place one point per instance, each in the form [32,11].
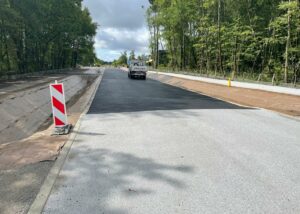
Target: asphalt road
[146,147]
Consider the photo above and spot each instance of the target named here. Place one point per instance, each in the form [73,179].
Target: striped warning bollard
[59,109]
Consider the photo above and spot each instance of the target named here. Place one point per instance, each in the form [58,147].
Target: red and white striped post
[59,109]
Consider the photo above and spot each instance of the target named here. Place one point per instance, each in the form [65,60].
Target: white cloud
[122,26]
[119,39]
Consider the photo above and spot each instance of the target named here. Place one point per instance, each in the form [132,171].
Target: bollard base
[64,130]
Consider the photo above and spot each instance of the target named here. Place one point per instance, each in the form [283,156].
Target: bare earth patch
[283,103]
[39,147]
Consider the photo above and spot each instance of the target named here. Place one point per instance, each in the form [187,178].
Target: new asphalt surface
[147,147]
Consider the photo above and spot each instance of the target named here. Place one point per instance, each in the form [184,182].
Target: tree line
[124,58]
[259,38]
[38,35]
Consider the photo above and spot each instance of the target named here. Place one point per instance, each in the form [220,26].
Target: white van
[137,68]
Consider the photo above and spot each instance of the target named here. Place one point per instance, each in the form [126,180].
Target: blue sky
[123,26]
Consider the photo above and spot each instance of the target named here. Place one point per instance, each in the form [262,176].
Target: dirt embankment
[283,103]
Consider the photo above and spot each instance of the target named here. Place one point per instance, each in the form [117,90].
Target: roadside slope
[22,112]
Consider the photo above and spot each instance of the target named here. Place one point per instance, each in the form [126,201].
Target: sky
[123,26]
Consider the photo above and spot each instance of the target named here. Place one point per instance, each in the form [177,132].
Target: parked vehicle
[138,69]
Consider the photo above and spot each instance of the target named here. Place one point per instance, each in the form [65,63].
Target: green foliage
[132,55]
[48,34]
[228,37]
[122,61]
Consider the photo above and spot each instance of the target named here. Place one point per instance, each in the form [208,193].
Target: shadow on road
[118,94]
[105,174]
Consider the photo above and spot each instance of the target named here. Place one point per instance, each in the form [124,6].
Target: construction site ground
[24,164]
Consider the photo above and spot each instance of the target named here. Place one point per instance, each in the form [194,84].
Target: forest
[254,39]
[37,35]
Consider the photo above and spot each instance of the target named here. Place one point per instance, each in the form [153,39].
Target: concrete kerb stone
[42,197]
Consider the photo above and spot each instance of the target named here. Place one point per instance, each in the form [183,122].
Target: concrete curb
[269,88]
[38,204]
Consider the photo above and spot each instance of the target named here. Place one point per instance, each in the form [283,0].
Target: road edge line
[41,199]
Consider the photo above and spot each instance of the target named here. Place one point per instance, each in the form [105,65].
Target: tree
[228,37]
[286,29]
[132,55]
[122,61]
[49,34]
